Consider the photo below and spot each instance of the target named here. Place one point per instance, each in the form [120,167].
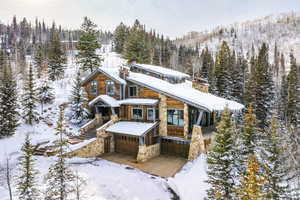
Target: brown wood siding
[126,112]
[142,92]
[175,131]
[173,103]
[173,147]
[126,144]
[101,81]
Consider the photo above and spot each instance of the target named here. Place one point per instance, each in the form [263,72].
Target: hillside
[282,29]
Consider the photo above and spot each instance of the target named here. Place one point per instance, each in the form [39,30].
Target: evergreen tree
[45,94]
[221,160]
[272,156]
[292,79]
[59,178]
[78,98]
[120,36]
[27,179]
[264,88]
[238,79]
[56,59]
[87,57]
[135,47]
[29,99]
[252,182]
[39,60]
[8,103]
[283,96]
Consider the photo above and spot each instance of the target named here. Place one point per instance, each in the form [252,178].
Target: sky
[173,18]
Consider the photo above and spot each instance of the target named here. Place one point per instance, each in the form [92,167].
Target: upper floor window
[175,117]
[137,113]
[132,91]
[110,87]
[94,87]
[150,114]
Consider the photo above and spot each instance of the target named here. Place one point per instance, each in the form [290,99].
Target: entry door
[107,144]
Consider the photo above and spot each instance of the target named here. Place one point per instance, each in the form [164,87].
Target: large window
[110,88]
[94,87]
[150,114]
[132,91]
[137,113]
[175,117]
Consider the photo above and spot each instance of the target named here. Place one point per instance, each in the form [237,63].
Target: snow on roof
[188,95]
[106,99]
[131,128]
[162,70]
[112,72]
[137,101]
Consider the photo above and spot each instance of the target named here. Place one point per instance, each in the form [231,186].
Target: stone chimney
[201,84]
[123,72]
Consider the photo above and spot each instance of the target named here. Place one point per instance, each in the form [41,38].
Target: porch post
[141,141]
[199,117]
[186,121]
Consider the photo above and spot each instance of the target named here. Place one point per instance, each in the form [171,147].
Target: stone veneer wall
[186,121]
[200,86]
[97,120]
[163,126]
[197,143]
[147,152]
[90,150]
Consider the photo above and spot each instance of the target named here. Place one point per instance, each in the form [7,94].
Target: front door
[107,144]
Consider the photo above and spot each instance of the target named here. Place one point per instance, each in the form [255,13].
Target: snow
[113,72]
[131,128]
[190,183]
[138,101]
[188,94]
[106,99]
[74,147]
[162,70]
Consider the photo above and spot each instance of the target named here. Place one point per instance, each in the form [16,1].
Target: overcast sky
[171,17]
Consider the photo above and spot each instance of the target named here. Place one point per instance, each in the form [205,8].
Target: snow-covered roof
[131,128]
[112,72]
[162,71]
[106,99]
[188,95]
[138,101]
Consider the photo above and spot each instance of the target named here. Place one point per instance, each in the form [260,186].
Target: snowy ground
[105,180]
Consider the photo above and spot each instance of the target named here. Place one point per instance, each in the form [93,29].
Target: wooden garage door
[126,144]
[174,147]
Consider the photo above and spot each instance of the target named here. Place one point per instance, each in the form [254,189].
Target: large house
[149,110]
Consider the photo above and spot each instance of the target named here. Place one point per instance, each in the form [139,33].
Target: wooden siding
[142,92]
[173,103]
[126,112]
[173,147]
[175,131]
[101,82]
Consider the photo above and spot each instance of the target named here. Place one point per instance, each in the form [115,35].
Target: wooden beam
[199,117]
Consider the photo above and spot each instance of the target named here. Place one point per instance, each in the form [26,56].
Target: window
[137,113]
[110,87]
[94,87]
[157,113]
[132,90]
[175,117]
[150,114]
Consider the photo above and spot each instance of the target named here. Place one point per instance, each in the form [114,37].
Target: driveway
[163,165]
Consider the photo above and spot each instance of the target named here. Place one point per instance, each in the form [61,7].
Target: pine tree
[39,60]
[45,94]
[292,92]
[8,103]
[78,112]
[272,156]
[238,79]
[59,178]
[221,160]
[87,57]
[56,59]
[252,182]
[27,179]
[29,99]
[264,88]
[120,36]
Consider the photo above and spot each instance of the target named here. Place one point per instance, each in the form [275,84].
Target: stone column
[197,143]
[163,126]
[186,121]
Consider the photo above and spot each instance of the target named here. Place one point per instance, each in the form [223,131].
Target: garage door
[126,144]
[175,147]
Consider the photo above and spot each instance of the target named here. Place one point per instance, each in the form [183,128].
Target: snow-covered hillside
[105,180]
[282,29]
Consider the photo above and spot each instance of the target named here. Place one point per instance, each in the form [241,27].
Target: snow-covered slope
[282,29]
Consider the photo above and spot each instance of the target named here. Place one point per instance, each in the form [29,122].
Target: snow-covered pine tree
[29,99]
[272,163]
[220,159]
[120,36]
[80,183]
[264,88]
[27,187]
[8,102]
[252,182]
[292,80]
[45,94]
[87,57]
[39,59]
[238,78]
[56,57]
[78,97]
[283,96]
[60,177]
